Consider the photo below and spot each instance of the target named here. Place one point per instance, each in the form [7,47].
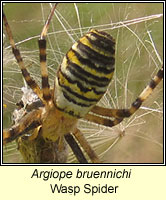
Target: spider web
[137,29]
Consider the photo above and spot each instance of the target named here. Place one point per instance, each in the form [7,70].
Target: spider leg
[85,145]
[120,114]
[107,112]
[46,26]
[75,148]
[29,122]
[102,120]
[43,65]
[30,82]
[143,96]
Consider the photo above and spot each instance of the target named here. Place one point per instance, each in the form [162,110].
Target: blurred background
[138,31]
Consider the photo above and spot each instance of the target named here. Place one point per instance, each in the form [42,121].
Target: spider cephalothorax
[81,81]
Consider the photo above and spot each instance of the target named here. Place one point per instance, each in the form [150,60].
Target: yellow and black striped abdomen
[85,73]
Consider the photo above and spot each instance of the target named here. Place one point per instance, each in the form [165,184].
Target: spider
[81,81]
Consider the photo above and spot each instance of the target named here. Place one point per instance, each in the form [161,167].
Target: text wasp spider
[81,81]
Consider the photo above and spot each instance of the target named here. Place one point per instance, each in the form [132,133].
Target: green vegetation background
[26,21]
